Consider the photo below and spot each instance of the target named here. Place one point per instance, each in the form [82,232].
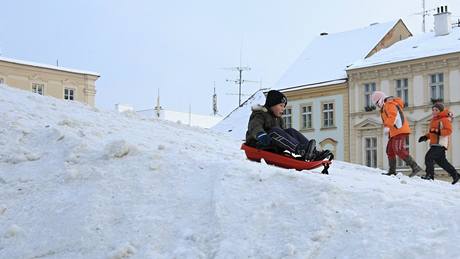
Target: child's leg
[297,135]
[398,146]
[390,149]
[441,160]
[391,157]
[403,153]
[429,163]
[283,140]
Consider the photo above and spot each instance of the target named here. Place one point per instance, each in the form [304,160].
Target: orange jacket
[440,129]
[393,116]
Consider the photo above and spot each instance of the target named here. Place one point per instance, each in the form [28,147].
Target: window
[1,81]
[68,94]
[370,149]
[399,161]
[437,86]
[328,115]
[369,88]
[402,90]
[287,117]
[307,117]
[38,88]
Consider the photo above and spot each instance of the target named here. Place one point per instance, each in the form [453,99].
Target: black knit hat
[438,106]
[275,97]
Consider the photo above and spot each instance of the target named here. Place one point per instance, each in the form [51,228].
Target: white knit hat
[378,98]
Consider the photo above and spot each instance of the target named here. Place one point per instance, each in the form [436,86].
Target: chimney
[442,21]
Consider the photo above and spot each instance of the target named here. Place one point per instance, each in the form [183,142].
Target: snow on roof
[236,123]
[327,57]
[419,46]
[333,82]
[197,120]
[34,64]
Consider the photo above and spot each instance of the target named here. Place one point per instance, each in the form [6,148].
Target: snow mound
[76,182]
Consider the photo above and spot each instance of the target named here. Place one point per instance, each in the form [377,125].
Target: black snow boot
[428,176]
[308,150]
[415,168]
[455,178]
[392,169]
[321,155]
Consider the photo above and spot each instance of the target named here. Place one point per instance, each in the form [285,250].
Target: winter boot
[455,178]
[321,155]
[392,169]
[309,150]
[428,176]
[306,151]
[415,168]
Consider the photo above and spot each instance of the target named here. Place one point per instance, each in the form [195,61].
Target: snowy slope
[76,182]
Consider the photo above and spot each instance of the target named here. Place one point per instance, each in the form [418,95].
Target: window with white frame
[307,117]
[38,88]
[402,90]
[370,150]
[69,94]
[328,115]
[399,161]
[287,117]
[437,86]
[1,81]
[369,88]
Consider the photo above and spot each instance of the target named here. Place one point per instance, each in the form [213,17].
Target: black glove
[423,139]
[263,139]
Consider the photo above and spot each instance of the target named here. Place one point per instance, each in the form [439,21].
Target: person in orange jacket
[439,132]
[397,126]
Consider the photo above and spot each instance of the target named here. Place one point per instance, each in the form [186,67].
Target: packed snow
[77,182]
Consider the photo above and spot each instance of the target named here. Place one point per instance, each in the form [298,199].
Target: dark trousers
[437,154]
[287,139]
[395,147]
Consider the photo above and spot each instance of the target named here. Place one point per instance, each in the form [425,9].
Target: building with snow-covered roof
[420,69]
[59,82]
[317,83]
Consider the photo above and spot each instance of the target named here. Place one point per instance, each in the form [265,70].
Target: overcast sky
[181,47]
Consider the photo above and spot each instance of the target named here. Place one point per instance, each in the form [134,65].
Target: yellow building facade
[58,82]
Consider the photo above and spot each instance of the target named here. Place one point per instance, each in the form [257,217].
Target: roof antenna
[158,107]
[214,101]
[240,80]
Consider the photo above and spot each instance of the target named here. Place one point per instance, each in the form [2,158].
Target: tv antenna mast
[239,81]
[158,107]
[424,14]
[214,101]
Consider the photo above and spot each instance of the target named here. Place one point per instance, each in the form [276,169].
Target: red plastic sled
[283,161]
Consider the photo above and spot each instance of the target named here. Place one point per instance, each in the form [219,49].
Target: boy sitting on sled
[266,130]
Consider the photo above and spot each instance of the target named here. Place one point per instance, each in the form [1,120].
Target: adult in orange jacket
[397,126]
[439,132]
